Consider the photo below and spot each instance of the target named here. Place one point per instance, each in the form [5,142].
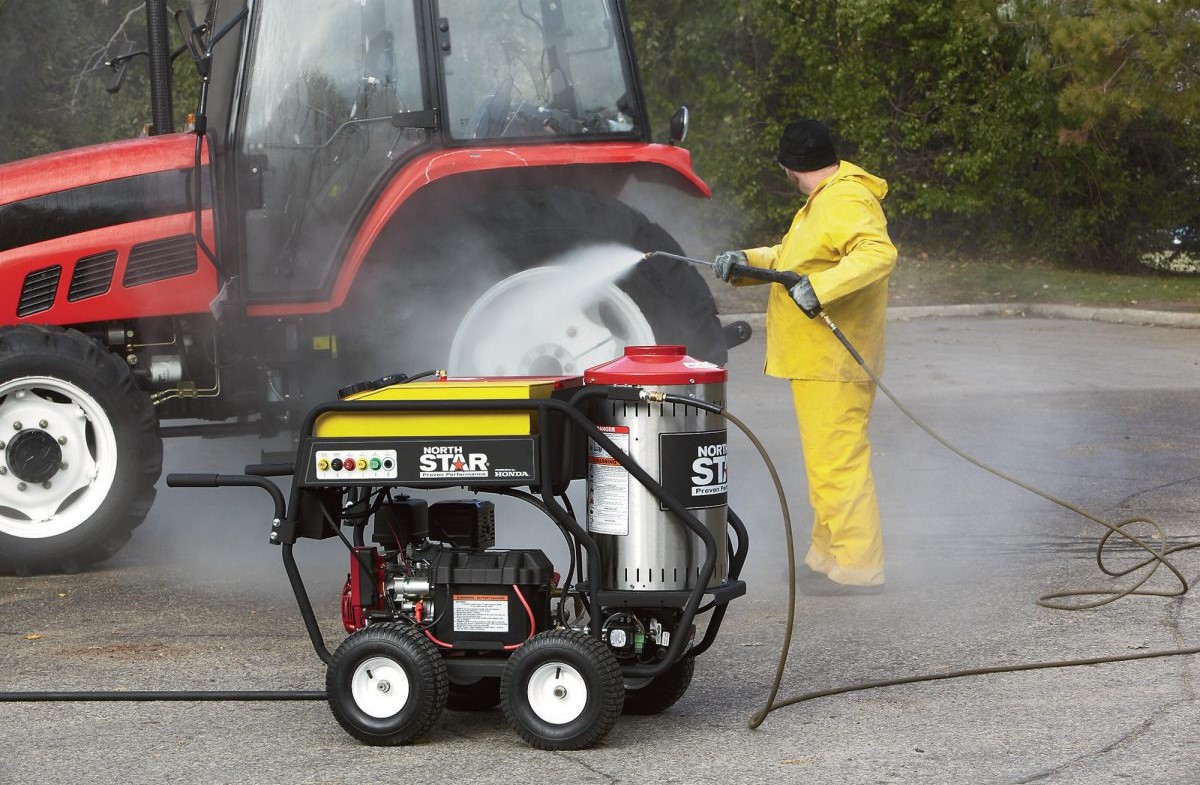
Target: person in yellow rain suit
[838,243]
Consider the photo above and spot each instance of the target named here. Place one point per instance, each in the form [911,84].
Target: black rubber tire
[70,356]
[483,695]
[662,692]
[598,668]
[421,663]
[433,273]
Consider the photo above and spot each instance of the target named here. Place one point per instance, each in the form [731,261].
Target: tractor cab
[337,96]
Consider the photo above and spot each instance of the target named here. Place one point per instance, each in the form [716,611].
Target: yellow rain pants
[847,540]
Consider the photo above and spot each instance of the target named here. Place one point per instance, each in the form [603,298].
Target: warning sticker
[608,485]
[480,613]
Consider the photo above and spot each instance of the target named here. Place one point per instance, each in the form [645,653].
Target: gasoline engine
[437,616]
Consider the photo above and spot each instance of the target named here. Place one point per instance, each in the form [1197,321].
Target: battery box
[476,604]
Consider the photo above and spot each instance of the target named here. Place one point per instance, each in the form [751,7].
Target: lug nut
[3,470]
[1,445]
[21,486]
[46,485]
[274,536]
[43,424]
[63,465]
[16,425]
[62,439]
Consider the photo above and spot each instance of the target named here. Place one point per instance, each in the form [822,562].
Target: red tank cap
[655,365]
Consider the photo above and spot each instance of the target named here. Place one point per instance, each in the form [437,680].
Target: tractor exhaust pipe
[158,41]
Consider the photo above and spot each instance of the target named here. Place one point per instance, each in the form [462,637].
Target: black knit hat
[805,146]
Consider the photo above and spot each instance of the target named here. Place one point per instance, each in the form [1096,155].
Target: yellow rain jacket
[839,240]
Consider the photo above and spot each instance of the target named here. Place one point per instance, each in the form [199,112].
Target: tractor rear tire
[386,685]
[434,272]
[81,451]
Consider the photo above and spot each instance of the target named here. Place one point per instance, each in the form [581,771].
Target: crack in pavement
[1174,609]
[610,779]
[1132,735]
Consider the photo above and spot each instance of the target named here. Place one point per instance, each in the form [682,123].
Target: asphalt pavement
[1105,415]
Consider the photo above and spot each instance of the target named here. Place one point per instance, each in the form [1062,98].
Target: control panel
[352,464]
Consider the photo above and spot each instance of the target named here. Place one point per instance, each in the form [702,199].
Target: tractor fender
[672,162]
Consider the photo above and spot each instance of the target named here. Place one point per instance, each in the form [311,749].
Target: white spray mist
[558,319]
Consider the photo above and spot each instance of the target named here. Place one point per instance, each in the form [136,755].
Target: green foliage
[53,90]
[1055,128]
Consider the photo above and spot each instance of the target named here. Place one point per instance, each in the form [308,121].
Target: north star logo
[708,470]
[452,462]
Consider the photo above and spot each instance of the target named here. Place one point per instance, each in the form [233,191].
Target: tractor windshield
[535,69]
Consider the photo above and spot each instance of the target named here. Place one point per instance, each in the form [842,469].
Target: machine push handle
[187,480]
[192,480]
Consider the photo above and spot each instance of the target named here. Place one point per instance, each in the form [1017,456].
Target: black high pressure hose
[1157,556]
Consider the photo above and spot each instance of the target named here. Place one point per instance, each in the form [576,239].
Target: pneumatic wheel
[79,451]
[654,695]
[386,684]
[562,690]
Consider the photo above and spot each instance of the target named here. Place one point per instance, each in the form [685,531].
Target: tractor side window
[536,69]
[325,79]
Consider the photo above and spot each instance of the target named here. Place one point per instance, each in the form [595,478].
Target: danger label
[608,485]
[480,613]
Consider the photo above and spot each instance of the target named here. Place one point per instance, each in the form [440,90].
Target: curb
[1132,316]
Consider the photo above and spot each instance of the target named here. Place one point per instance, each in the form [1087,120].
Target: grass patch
[942,282]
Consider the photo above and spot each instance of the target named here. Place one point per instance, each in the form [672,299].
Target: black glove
[802,292]
[725,262]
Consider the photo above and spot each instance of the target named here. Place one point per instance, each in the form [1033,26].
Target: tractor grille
[160,259]
[92,276]
[39,290]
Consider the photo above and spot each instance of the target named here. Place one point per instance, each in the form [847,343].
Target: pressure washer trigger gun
[785,278]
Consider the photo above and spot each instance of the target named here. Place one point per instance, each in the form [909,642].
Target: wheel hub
[60,463]
[33,456]
[546,321]
[557,693]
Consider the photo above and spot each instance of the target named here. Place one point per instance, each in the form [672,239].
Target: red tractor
[365,181]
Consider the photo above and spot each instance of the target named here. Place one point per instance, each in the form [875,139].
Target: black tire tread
[610,684]
[112,374]
[431,672]
[663,691]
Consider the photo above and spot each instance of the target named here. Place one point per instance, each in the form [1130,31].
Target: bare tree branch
[95,58]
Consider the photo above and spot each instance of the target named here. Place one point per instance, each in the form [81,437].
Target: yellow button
[322,464]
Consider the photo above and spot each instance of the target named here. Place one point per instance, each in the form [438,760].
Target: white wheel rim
[541,322]
[86,473]
[380,687]
[557,693]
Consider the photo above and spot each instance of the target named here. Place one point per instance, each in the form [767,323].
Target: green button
[375,464]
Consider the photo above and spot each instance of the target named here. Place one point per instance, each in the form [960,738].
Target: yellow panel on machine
[435,424]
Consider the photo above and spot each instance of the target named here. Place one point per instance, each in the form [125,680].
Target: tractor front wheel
[79,451]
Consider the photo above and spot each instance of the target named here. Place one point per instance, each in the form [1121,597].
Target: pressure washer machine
[437,616]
